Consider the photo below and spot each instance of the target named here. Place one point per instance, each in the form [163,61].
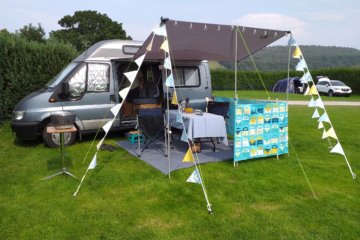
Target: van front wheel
[53,139]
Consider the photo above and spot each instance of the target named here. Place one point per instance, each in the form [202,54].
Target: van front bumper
[25,130]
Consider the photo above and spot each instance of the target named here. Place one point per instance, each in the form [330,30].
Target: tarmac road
[326,103]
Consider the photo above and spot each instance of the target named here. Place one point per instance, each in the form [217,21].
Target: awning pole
[235,64]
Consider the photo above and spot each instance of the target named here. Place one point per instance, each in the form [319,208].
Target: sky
[312,22]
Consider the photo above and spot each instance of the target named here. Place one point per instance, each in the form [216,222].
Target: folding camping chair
[151,123]
[219,108]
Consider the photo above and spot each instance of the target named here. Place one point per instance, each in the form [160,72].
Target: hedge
[27,66]
[247,80]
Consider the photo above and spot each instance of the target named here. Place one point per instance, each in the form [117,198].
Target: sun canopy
[213,42]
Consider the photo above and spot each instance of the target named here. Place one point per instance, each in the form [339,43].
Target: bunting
[313,90]
[324,135]
[93,162]
[170,81]
[167,63]
[160,30]
[165,46]
[307,91]
[131,75]
[292,42]
[301,66]
[331,133]
[297,53]
[312,103]
[174,100]
[194,177]
[108,125]
[324,118]
[338,149]
[149,47]
[306,77]
[321,125]
[116,109]
[316,114]
[319,103]
[140,60]
[188,156]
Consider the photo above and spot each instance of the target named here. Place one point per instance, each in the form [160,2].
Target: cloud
[273,21]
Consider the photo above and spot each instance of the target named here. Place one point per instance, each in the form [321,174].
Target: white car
[333,87]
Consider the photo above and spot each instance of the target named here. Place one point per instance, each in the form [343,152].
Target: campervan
[89,86]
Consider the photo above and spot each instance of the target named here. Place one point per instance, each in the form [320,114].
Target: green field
[124,198]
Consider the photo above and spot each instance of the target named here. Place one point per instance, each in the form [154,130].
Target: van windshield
[60,76]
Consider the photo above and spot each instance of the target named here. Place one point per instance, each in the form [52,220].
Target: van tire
[53,139]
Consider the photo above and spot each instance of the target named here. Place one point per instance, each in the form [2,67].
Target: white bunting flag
[307,91]
[338,149]
[301,65]
[331,133]
[324,134]
[108,125]
[140,60]
[316,114]
[312,103]
[167,63]
[93,162]
[116,109]
[149,47]
[100,143]
[306,77]
[194,177]
[160,30]
[321,125]
[131,75]
[123,93]
[319,103]
[170,81]
[324,118]
[165,46]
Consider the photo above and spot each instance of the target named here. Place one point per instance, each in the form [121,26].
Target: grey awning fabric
[213,42]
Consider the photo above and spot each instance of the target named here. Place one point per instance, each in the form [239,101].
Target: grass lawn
[124,198]
[257,94]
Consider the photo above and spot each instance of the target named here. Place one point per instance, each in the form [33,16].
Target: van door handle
[112,98]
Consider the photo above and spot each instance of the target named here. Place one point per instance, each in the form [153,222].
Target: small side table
[52,129]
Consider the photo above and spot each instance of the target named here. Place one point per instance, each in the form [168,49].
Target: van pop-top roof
[110,49]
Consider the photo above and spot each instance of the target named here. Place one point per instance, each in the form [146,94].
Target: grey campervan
[89,87]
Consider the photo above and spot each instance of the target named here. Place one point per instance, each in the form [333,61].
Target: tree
[32,33]
[85,28]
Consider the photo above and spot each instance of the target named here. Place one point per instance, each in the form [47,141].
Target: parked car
[333,87]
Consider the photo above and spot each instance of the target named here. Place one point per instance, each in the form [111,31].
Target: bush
[26,66]
[250,80]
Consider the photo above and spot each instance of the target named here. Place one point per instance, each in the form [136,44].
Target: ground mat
[154,154]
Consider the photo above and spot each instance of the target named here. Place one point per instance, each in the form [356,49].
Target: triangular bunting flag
[170,81]
[338,149]
[116,109]
[160,30]
[321,125]
[331,133]
[184,136]
[167,63]
[306,77]
[319,103]
[316,114]
[108,125]
[149,47]
[100,143]
[324,118]
[165,46]
[194,177]
[124,92]
[301,65]
[179,118]
[292,42]
[174,100]
[307,91]
[131,75]
[297,53]
[140,60]
[311,103]
[324,134]
[188,156]
[313,90]
[93,162]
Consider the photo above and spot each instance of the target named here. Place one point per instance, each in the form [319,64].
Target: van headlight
[18,115]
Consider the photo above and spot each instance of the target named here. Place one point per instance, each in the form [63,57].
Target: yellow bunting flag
[313,90]
[165,46]
[174,100]
[149,47]
[331,133]
[188,156]
[297,53]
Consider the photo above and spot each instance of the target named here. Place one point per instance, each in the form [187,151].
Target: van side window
[187,77]
[77,83]
[98,77]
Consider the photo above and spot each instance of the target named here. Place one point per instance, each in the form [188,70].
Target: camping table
[52,129]
[207,125]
